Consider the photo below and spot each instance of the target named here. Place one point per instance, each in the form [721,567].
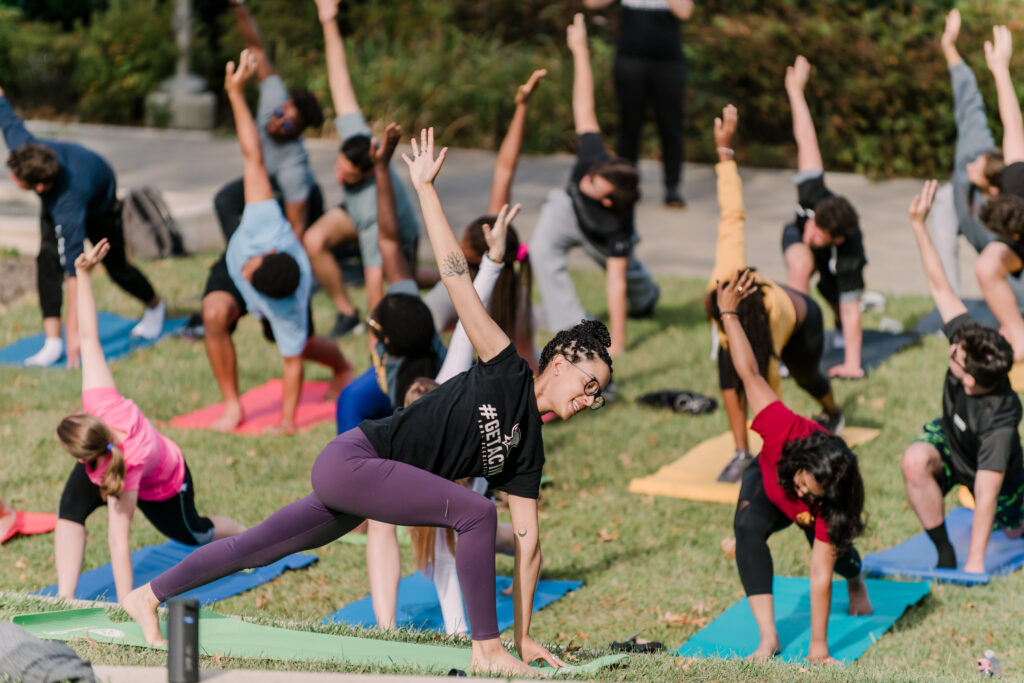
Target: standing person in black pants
[649,65]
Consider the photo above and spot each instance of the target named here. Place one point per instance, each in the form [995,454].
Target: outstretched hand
[86,261]
[725,127]
[999,50]
[380,154]
[922,203]
[327,10]
[797,75]
[736,290]
[235,77]
[576,34]
[423,168]
[524,91]
[952,31]
[495,236]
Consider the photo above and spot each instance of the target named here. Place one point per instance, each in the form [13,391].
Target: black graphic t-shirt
[840,266]
[482,423]
[611,234]
[981,431]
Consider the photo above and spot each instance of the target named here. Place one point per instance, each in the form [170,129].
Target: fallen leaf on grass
[20,563]
[230,461]
[729,548]
[606,536]
[261,601]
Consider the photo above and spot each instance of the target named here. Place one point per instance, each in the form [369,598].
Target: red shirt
[778,425]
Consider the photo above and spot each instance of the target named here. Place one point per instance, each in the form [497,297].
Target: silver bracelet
[725,150]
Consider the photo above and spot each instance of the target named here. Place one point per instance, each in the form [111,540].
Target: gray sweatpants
[557,232]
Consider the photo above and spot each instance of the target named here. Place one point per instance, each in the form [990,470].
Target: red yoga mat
[31,523]
[262,408]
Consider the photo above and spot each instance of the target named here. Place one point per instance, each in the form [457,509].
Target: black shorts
[219,280]
[175,517]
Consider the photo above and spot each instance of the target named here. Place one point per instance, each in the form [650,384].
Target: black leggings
[756,519]
[50,273]
[175,517]
[639,81]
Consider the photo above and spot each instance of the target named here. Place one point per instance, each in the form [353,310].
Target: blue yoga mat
[734,634]
[115,337]
[150,562]
[916,557]
[420,609]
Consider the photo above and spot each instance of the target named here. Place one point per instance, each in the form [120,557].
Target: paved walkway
[189,167]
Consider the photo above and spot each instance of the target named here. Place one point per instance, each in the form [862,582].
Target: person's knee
[219,315]
[991,266]
[479,514]
[919,462]
[746,525]
[314,240]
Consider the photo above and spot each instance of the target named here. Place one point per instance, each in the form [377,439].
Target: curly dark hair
[308,106]
[357,150]
[836,216]
[753,316]
[830,461]
[34,164]
[408,328]
[588,340]
[512,290]
[988,357]
[1004,215]
[277,277]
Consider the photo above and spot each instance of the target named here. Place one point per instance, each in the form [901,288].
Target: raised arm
[949,36]
[342,93]
[395,265]
[730,249]
[95,372]
[583,112]
[488,339]
[759,392]
[508,153]
[808,155]
[254,177]
[946,300]
[973,136]
[252,38]
[997,54]
[15,133]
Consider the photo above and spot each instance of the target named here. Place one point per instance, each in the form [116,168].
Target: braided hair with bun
[588,340]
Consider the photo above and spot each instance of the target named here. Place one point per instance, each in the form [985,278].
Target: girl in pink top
[123,462]
[804,474]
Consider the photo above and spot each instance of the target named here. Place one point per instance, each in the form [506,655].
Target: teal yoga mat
[418,606]
[734,635]
[228,636]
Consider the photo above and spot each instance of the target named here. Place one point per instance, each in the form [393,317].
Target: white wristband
[725,150]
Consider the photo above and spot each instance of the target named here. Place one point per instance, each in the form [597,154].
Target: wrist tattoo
[454,263]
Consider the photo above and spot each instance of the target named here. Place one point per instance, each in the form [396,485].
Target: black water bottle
[183,641]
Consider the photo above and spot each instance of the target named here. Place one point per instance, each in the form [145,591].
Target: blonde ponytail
[87,438]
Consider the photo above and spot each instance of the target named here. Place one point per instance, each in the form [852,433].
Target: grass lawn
[650,564]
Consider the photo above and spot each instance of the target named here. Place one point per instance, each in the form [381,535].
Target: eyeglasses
[591,388]
[287,124]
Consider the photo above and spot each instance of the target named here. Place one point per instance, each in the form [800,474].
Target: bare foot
[491,657]
[764,652]
[339,380]
[229,419]
[141,605]
[860,603]
[7,517]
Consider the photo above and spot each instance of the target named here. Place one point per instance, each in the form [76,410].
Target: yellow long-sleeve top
[730,257]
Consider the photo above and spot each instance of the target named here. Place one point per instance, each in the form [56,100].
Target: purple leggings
[352,483]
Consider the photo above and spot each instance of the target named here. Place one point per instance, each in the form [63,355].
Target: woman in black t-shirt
[484,422]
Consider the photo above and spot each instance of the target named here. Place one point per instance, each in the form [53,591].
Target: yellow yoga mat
[1017,376]
[695,475]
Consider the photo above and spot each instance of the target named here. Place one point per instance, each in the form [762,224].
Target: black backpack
[149,229]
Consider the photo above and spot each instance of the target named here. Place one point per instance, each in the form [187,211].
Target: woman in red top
[804,475]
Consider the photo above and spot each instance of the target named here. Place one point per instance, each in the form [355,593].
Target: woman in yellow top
[782,323]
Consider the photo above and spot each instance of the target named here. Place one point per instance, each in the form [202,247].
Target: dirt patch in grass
[17,276]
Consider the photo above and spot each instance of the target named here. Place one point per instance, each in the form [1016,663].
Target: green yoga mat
[227,636]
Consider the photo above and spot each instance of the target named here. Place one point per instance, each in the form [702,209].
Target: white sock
[152,323]
[53,349]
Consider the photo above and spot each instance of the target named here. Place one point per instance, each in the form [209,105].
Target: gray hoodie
[973,138]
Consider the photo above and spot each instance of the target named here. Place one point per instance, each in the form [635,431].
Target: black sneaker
[674,198]
[734,470]
[345,324]
[833,423]
[648,310]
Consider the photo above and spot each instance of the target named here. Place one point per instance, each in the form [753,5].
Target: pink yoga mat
[262,407]
[31,523]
